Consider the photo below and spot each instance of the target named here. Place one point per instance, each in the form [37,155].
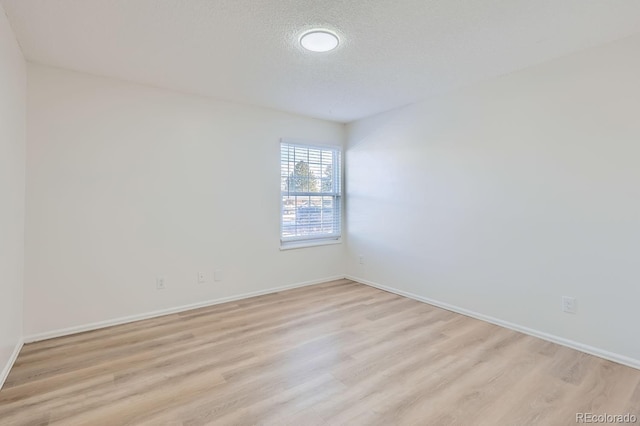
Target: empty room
[277,212]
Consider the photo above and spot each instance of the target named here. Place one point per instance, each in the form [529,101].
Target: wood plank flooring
[338,353]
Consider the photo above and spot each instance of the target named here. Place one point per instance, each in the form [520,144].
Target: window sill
[304,244]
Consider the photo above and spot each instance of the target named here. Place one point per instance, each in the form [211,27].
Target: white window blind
[311,190]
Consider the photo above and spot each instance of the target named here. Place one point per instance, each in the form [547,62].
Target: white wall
[504,196]
[126,183]
[12,177]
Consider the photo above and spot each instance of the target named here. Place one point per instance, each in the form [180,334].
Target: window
[311,189]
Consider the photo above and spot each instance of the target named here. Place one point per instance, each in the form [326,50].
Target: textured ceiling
[393,52]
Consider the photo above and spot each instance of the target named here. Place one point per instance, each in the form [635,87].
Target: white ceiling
[393,52]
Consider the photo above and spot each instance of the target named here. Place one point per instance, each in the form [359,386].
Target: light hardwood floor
[335,353]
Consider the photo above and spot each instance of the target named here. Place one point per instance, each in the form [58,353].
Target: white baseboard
[124,320]
[12,360]
[611,356]
[620,359]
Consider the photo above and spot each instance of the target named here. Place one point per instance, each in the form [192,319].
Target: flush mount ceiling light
[319,40]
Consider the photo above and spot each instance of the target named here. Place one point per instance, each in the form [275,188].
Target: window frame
[337,194]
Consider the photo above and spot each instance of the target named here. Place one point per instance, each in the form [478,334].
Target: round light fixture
[319,40]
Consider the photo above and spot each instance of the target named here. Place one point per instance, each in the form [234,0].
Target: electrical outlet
[201,278]
[217,275]
[161,283]
[569,304]
[361,259]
